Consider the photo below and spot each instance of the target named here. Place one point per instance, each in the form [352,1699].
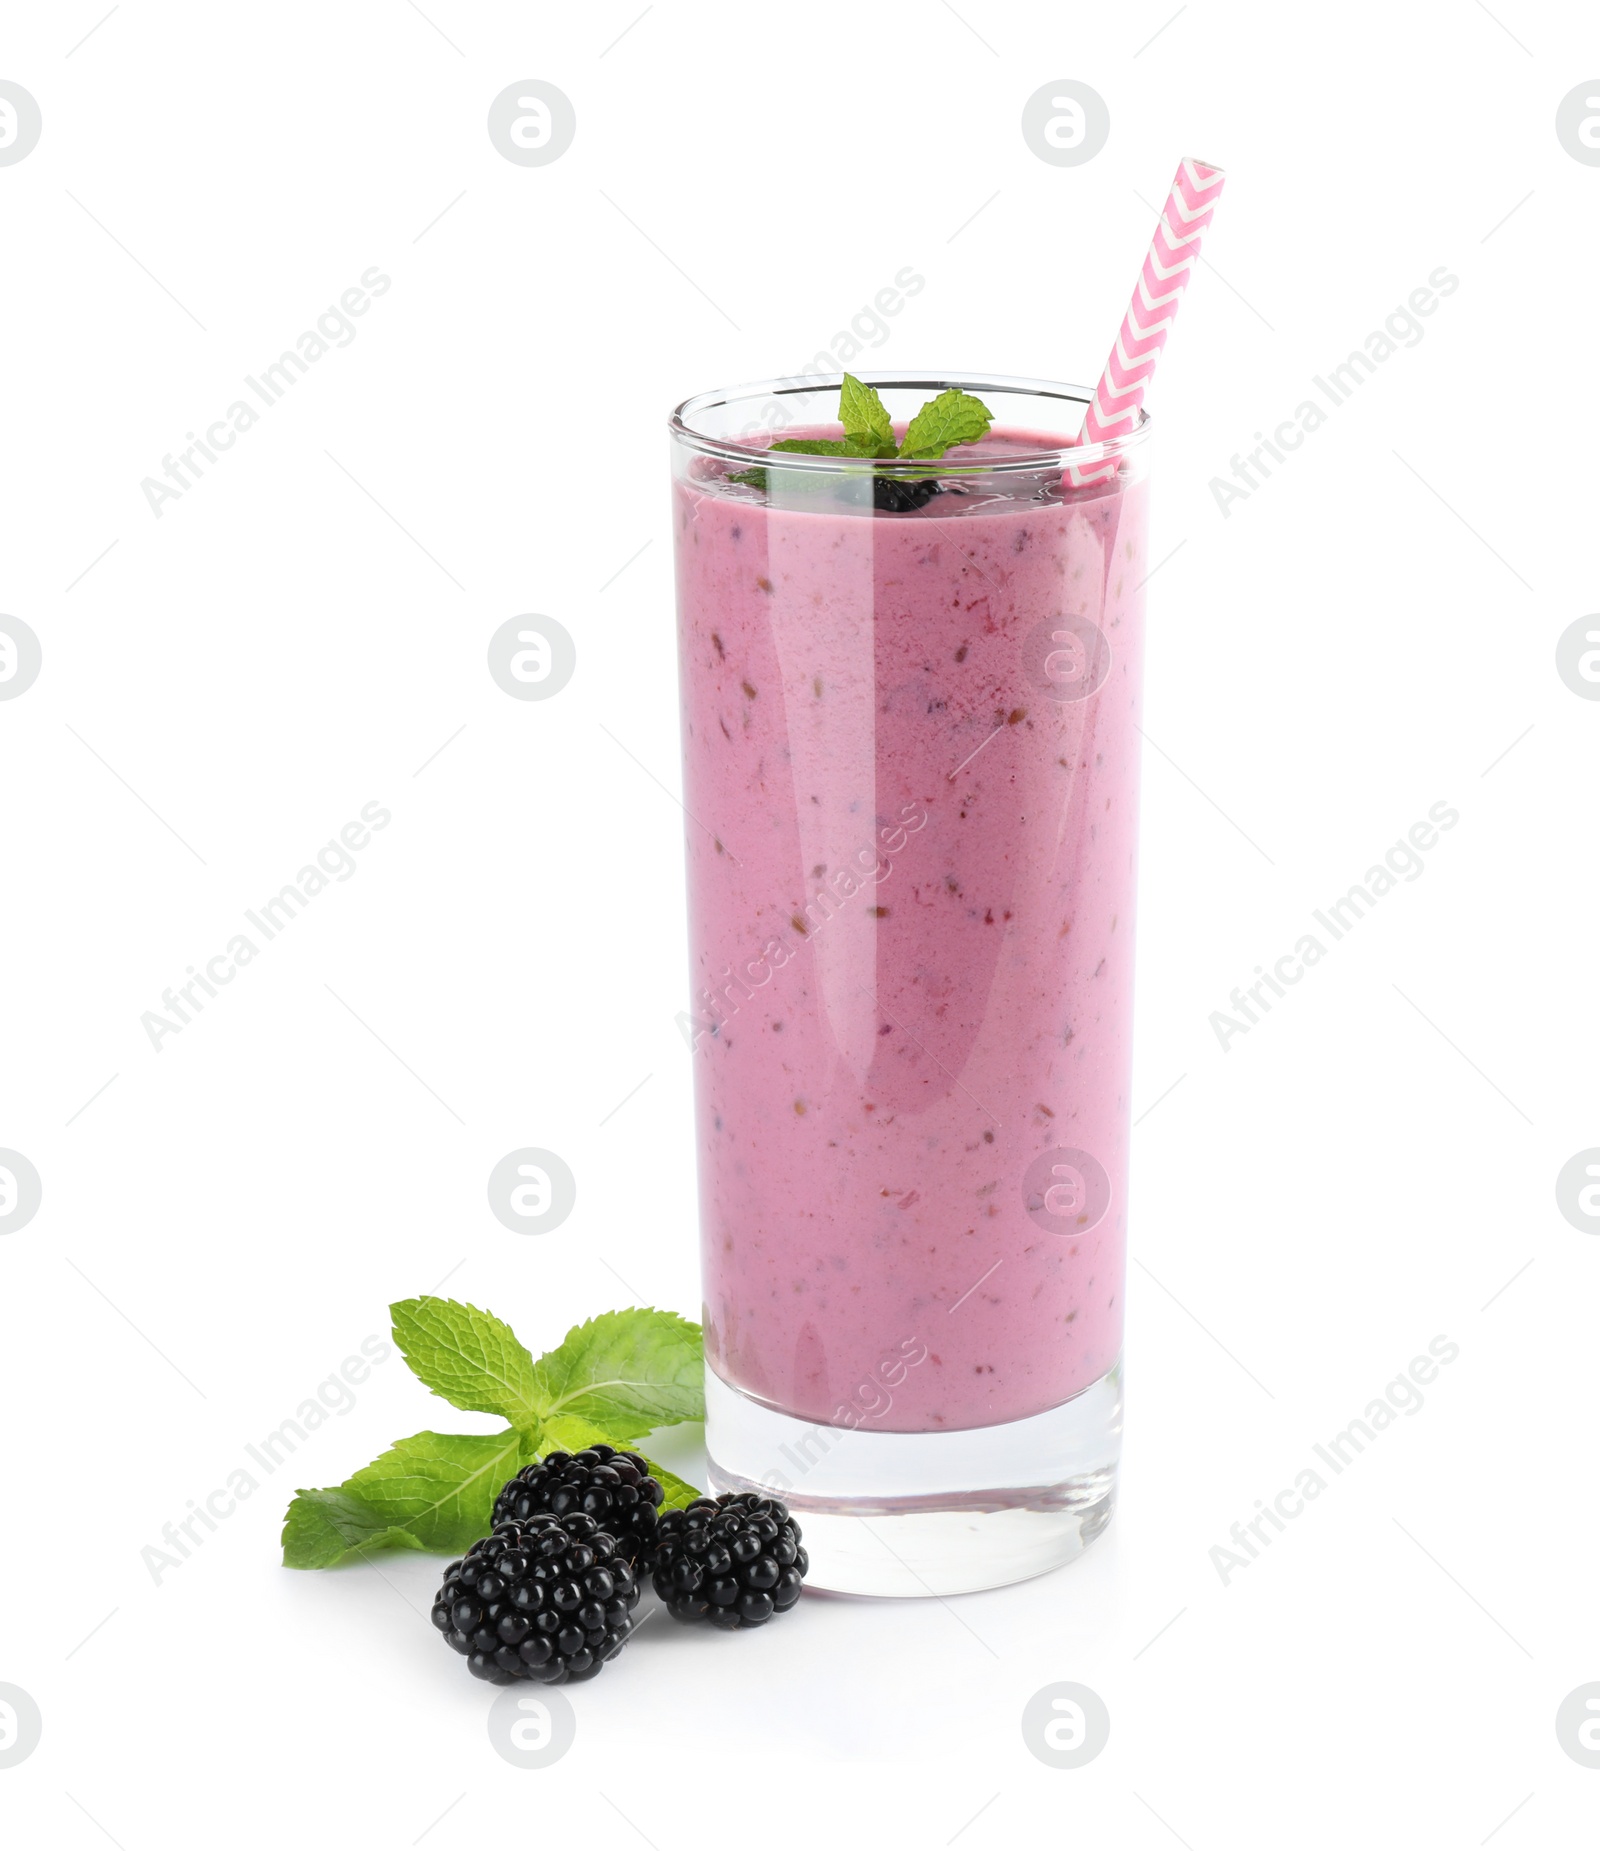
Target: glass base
[908,1514]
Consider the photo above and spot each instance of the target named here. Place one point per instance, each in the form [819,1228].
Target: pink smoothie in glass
[911,878]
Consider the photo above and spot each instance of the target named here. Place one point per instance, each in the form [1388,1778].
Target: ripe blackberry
[550,1599]
[614,1488]
[894,495]
[734,1560]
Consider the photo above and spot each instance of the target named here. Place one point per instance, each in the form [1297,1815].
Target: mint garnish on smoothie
[954,417]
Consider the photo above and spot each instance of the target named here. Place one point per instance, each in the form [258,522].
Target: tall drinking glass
[910,695]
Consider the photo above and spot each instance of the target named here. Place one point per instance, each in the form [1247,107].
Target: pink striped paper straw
[1114,410]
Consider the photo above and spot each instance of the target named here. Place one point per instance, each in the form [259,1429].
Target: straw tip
[1206,168]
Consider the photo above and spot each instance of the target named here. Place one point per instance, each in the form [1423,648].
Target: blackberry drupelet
[734,1560]
[550,1599]
[893,495]
[614,1488]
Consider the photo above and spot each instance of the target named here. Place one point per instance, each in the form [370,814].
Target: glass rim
[745,453]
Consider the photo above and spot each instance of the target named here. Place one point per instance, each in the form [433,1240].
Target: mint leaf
[796,446]
[953,417]
[467,1356]
[441,1487]
[865,418]
[814,446]
[809,481]
[833,446]
[434,1491]
[626,1371]
[324,1528]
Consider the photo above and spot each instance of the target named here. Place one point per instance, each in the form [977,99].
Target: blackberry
[550,1599]
[734,1560]
[893,495]
[614,1488]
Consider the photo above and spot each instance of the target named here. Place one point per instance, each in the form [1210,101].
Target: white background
[1372,1165]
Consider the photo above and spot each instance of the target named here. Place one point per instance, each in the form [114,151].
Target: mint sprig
[615,1378]
[954,417]
[951,418]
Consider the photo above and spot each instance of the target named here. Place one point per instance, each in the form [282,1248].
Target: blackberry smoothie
[911,771]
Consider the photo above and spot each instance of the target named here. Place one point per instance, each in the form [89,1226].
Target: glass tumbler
[910,701]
